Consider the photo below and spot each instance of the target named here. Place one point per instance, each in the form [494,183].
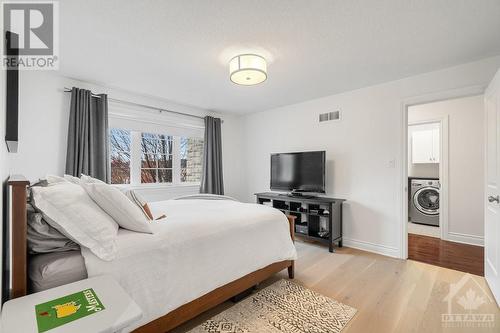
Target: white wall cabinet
[425,143]
[436,143]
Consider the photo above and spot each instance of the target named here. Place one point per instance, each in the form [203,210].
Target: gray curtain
[211,178]
[88,147]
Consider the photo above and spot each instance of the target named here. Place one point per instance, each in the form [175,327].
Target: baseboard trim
[372,247]
[465,239]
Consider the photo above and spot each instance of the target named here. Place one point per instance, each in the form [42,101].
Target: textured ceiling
[179,50]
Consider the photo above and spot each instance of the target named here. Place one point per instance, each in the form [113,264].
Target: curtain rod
[142,105]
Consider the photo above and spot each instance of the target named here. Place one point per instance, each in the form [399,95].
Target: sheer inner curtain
[88,150]
[211,179]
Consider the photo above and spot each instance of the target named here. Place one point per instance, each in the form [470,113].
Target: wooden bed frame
[18,259]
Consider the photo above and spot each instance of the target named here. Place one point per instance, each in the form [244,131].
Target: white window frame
[139,121]
[135,162]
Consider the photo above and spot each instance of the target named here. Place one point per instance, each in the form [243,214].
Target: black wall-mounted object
[298,172]
[12,92]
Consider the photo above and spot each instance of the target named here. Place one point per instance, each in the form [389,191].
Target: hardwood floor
[434,251]
[391,295]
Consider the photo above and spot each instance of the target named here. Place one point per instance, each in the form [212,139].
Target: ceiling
[179,50]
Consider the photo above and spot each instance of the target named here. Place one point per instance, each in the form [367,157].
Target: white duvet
[200,246]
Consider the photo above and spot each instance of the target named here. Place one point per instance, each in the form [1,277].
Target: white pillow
[52,180]
[88,179]
[72,179]
[118,206]
[69,209]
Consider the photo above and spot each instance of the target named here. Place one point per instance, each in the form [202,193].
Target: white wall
[44,114]
[360,149]
[466,163]
[233,157]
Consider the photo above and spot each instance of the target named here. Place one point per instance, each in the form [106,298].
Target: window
[156,160]
[145,158]
[191,159]
[120,156]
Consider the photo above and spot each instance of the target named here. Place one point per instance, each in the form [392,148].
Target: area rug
[282,307]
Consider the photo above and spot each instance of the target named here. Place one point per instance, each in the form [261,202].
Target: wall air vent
[335,115]
[323,117]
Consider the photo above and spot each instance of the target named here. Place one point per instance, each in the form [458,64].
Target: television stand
[299,195]
[317,218]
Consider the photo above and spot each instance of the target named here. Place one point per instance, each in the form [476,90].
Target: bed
[203,253]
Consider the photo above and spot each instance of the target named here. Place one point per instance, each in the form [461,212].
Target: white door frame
[443,170]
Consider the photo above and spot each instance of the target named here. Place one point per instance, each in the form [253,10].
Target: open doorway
[445,176]
[424,160]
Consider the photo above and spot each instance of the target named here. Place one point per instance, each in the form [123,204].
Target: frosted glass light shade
[248,69]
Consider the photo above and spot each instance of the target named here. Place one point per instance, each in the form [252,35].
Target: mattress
[54,269]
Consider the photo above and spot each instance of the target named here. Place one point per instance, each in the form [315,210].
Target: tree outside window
[156,159]
[120,144]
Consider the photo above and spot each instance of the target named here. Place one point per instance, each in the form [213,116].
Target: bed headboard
[15,275]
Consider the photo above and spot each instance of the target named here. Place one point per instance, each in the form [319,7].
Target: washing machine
[424,201]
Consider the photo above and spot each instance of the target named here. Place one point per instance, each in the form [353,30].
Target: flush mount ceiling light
[248,69]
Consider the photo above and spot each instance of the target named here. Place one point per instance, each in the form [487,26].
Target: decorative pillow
[140,202]
[42,238]
[69,209]
[118,206]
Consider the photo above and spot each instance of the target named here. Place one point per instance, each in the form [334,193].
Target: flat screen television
[298,172]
